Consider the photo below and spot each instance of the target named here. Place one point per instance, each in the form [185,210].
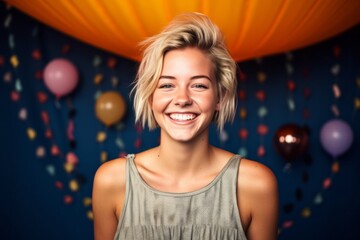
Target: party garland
[243,131]
[262,129]
[330,141]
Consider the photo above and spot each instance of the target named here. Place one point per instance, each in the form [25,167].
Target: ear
[150,101]
[217,108]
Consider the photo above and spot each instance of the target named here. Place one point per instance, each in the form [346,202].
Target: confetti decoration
[23,114]
[262,110]
[31,133]
[40,152]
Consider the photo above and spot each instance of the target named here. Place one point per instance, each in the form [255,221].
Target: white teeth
[182,117]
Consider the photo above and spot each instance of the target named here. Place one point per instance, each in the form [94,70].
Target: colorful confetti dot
[50,169]
[59,185]
[262,129]
[335,167]
[55,150]
[336,90]
[48,134]
[242,76]
[68,199]
[98,78]
[7,21]
[111,63]
[97,61]
[318,199]
[289,68]
[243,152]
[42,97]
[7,77]
[260,95]
[120,143]
[115,81]
[72,158]
[36,54]
[90,215]
[2,60]
[262,111]
[261,151]
[69,168]
[243,113]
[224,136]
[291,85]
[242,95]
[14,61]
[357,103]
[103,156]
[306,212]
[335,110]
[31,133]
[87,202]
[74,185]
[335,70]
[291,104]
[243,133]
[23,114]
[137,143]
[327,183]
[101,137]
[15,96]
[40,152]
[261,76]
[288,224]
[18,85]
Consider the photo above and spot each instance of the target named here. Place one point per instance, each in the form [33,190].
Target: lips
[182,116]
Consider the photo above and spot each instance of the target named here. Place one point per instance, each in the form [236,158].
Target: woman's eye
[200,86]
[165,86]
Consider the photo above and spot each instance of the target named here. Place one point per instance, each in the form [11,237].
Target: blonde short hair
[187,30]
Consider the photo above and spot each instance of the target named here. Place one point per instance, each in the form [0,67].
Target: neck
[184,157]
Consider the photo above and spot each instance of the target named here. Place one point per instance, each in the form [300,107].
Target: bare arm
[260,201]
[107,197]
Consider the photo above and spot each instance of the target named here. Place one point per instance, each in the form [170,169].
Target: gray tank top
[208,213]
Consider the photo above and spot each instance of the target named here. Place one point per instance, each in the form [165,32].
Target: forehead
[187,60]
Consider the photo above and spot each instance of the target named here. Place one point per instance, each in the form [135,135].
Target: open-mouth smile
[182,116]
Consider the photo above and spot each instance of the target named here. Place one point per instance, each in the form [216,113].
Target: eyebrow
[192,78]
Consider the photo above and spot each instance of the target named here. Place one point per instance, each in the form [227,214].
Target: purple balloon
[336,137]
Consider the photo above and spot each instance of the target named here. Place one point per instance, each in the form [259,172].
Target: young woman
[185,188]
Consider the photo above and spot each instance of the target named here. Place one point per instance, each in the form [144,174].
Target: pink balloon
[61,77]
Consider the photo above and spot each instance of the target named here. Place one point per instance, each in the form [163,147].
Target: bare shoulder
[110,182]
[111,174]
[257,200]
[108,196]
[256,179]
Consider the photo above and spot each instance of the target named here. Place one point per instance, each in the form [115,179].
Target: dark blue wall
[31,207]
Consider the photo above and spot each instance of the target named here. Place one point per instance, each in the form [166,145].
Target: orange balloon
[251,28]
[110,108]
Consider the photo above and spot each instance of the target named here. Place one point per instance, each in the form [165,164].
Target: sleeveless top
[208,213]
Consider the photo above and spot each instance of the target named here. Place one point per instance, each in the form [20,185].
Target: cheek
[208,102]
[159,101]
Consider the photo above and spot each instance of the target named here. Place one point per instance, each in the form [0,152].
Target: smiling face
[185,99]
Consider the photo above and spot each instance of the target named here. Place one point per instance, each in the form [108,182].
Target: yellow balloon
[110,108]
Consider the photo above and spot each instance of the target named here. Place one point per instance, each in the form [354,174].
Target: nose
[182,98]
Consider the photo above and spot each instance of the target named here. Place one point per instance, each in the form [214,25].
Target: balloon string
[57,103]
